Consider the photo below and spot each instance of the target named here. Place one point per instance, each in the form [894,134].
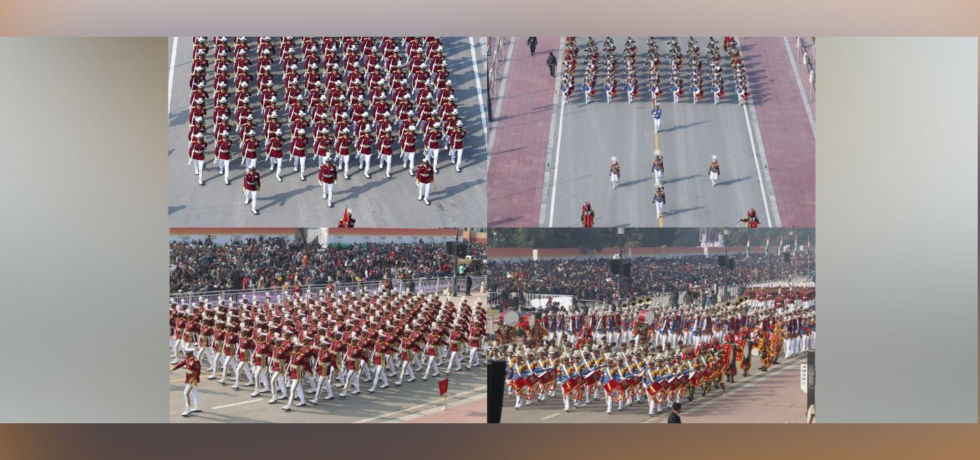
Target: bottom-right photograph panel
[652,325]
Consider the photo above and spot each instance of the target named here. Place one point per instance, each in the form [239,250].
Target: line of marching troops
[607,64]
[626,356]
[308,345]
[332,98]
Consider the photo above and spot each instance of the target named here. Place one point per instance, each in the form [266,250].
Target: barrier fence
[418,285]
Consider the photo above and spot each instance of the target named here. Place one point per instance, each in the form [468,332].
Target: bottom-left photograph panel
[327,325]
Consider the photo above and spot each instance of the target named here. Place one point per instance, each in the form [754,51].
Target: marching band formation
[305,346]
[654,353]
[700,67]
[327,99]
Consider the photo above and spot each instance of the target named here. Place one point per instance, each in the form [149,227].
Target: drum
[528,319]
[646,317]
[755,352]
[509,318]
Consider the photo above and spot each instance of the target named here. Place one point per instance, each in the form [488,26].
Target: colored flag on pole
[807,243]
[443,387]
[767,245]
[796,243]
[748,243]
[779,251]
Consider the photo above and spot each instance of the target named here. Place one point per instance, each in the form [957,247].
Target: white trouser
[353,377]
[474,357]
[615,179]
[261,376]
[293,393]
[190,395]
[224,366]
[658,175]
[277,164]
[328,192]
[431,365]
[319,386]
[224,166]
[660,208]
[250,196]
[676,97]
[457,157]
[713,176]
[385,162]
[656,124]
[379,373]
[365,161]
[199,170]
[424,190]
[248,372]
[717,98]
[435,157]
[345,159]
[299,161]
[453,358]
[406,366]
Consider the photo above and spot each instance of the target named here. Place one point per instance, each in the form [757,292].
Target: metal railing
[421,286]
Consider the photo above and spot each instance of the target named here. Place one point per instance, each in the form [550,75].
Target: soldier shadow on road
[458,188]
[501,222]
[179,117]
[681,211]
[680,179]
[173,209]
[280,199]
[634,182]
[680,127]
[170,152]
[735,181]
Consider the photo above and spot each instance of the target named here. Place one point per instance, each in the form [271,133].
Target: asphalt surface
[552,409]
[586,136]
[457,199]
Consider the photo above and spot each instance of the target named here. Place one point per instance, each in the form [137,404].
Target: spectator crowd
[591,279]
[271,263]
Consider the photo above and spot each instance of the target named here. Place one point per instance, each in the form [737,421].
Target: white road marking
[551,144]
[551,416]
[250,401]
[554,180]
[409,410]
[796,73]
[479,93]
[170,82]
[500,97]
[758,169]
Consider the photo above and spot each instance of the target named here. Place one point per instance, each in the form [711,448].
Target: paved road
[587,136]
[458,199]
[776,393]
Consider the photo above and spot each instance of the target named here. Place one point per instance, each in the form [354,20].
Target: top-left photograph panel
[305,131]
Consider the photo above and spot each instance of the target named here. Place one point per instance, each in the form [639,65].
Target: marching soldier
[714,170]
[222,155]
[252,185]
[275,153]
[658,167]
[656,116]
[588,215]
[660,199]
[196,154]
[298,151]
[751,220]
[327,177]
[191,381]
[614,173]
[424,177]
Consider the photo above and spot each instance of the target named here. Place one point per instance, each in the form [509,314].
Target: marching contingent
[327,99]
[653,353]
[700,66]
[298,346]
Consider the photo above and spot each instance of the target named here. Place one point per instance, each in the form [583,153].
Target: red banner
[443,387]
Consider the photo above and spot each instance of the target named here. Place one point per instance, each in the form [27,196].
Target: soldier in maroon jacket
[327,176]
[424,178]
[298,151]
[275,153]
[222,154]
[252,184]
[196,154]
[191,380]
[456,144]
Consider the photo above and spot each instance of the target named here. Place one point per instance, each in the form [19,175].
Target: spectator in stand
[202,265]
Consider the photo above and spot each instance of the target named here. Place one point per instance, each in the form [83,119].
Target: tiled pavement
[520,137]
[787,136]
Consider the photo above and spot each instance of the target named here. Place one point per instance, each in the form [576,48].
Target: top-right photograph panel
[652,131]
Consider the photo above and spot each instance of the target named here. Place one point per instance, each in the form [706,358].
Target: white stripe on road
[551,416]
[796,73]
[500,97]
[758,169]
[170,82]
[415,408]
[250,401]
[554,180]
[479,94]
